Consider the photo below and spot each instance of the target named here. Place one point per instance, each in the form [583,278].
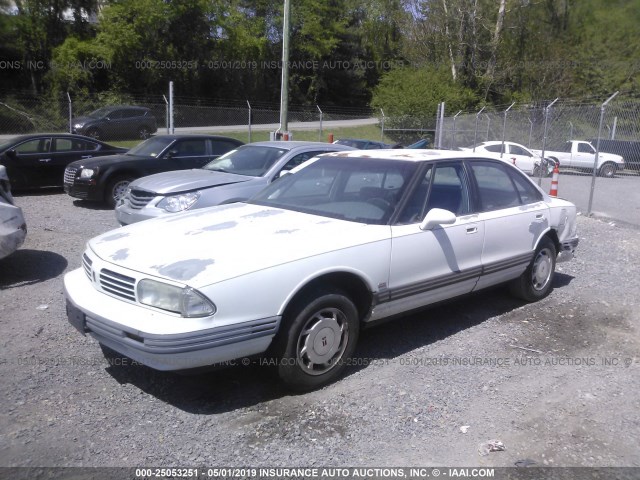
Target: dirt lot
[557,382]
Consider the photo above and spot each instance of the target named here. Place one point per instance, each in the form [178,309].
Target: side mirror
[3,174]
[172,153]
[11,154]
[437,216]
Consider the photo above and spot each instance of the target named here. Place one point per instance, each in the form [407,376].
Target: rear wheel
[607,170]
[116,189]
[317,335]
[535,283]
[144,133]
[94,133]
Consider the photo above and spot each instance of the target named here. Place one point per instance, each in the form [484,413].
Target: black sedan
[39,160]
[106,179]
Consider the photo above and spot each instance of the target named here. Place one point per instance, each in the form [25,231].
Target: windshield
[151,147]
[248,160]
[352,143]
[100,113]
[365,190]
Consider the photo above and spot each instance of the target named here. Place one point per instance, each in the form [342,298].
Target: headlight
[178,203]
[185,301]
[78,125]
[87,172]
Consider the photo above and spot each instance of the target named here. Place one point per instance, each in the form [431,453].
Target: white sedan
[514,153]
[293,274]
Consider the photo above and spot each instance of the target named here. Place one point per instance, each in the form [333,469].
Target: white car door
[514,217]
[584,157]
[435,264]
[521,158]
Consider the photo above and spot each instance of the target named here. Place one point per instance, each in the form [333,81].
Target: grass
[371,132]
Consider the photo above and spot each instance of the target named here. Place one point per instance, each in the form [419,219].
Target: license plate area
[76,318]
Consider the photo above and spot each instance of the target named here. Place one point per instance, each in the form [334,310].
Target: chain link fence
[22,113]
[548,127]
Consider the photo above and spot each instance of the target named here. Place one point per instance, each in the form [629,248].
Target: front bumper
[126,215]
[171,349]
[83,191]
[12,235]
[567,249]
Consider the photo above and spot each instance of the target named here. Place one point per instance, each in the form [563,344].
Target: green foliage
[416,92]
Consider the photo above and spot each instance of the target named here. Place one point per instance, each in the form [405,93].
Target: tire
[316,337]
[94,133]
[608,170]
[536,281]
[116,189]
[144,133]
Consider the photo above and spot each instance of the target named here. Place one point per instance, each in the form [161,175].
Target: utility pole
[284,86]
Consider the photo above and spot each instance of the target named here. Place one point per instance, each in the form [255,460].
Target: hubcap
[322,341]
[542,268]
[119,190]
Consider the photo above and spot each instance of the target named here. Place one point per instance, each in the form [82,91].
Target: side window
[495,188]
[116,115]
[528,193]
[220,147]
[494,148]
[584,148]
[63,145]
[39,145]
[299,159]
[413,211]
[85,145]
[448,190]
[190,148]
[518,151]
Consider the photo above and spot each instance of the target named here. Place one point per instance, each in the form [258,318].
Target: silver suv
[233,177]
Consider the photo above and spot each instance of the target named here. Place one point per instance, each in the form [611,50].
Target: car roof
[33,136]
[405,155]
[196,135]
[291,144]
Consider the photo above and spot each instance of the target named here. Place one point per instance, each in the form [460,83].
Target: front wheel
[535,283]
[143,133]
[608,170]
[316,338]
[116,189]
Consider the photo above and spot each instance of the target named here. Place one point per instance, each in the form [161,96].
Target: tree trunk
[454,72]
[491,67]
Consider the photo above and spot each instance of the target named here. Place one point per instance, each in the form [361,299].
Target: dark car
[628,149]
[121,121]
[361,144]
[39,160]
[106,179]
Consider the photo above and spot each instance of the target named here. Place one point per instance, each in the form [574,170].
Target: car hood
[83,120]
[104,160]
[186,180]
[214,244]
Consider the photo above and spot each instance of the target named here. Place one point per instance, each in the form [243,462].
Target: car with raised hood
[13,228]
[106,179]
[234,177]
[293,274]
[117,121]
[526,160]
[39,160]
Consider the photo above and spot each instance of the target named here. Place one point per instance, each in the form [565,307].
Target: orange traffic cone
[554,182]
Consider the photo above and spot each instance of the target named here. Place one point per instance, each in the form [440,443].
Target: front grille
[70,175]
[139,198]
[118,284]
[86,264]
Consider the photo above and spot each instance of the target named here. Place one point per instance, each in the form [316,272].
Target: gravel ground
[557,382]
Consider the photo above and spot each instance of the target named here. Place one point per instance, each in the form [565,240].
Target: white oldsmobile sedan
[295,273]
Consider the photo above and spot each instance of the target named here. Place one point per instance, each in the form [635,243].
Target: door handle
[45,159]
[539,216]
[86,156]
[471,230]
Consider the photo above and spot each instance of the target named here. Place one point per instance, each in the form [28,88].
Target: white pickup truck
[581,155]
